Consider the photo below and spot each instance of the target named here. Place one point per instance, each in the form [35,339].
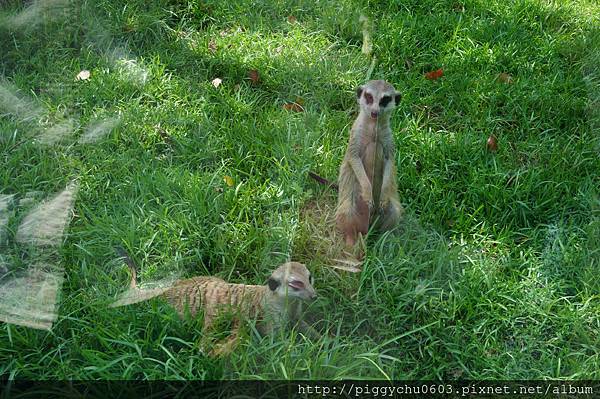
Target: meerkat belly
[373,162]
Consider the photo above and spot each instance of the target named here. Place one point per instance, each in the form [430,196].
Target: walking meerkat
[275,305]
[367,178]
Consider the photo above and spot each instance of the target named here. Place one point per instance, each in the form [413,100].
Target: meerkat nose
[374,114]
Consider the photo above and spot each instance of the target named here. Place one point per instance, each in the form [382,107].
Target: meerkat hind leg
[353,220]
[308,330]
[391,214]
[390,211]
[227,345]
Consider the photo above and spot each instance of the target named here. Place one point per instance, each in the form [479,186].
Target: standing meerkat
[275,305]
[367,178]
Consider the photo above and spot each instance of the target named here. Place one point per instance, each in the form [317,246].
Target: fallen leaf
[228,180]
[293,106]
[278,50]
[521,239]
[492,143]
[163,134]
[216,82]
[458,7]
[253,76]
[456,373]
[511,180]
[292,19]
[434,75]
[83,75]
[346,265]
[505,78]
[236,87]
[212,46]
[219,189]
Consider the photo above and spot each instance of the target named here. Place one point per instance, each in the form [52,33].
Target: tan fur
[273,306]
[367,178]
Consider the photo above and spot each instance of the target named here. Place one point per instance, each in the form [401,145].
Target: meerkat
[367,180]
[275,305]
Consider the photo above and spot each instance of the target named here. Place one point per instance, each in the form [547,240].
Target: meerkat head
[292,279]
[377,98]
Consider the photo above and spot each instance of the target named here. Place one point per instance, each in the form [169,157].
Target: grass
[493,275]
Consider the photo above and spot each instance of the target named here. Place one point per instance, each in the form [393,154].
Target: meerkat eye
[369,98]
[385,100]
[310,279]
[296,285]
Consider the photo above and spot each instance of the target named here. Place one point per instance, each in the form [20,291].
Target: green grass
[492,275]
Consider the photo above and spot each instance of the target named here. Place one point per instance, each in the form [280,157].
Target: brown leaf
[492,143]
[163,134]
[458,7]
[511,180]
[505,78]
[212,46]
[418,166]
[521,239]
[128,27]
[291,19]
[216,82]
[293,106]
[83,75]
[434,75]
[253,76]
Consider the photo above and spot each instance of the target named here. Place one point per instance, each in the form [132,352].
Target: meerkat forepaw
[383,205]
[368,198]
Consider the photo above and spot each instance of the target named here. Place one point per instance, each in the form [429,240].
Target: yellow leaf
[228,180]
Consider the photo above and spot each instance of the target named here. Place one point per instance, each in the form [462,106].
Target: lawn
[492,275]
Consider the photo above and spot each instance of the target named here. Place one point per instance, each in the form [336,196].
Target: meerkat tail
[136,295]
[130,264]
[323,180]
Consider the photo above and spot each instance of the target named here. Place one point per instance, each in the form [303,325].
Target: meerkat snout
[374,101]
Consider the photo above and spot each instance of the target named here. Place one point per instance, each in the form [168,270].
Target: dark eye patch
[385,100]
[369,98]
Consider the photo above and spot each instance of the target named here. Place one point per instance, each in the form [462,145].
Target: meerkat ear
[273,284]
[359,91]
[397,97]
